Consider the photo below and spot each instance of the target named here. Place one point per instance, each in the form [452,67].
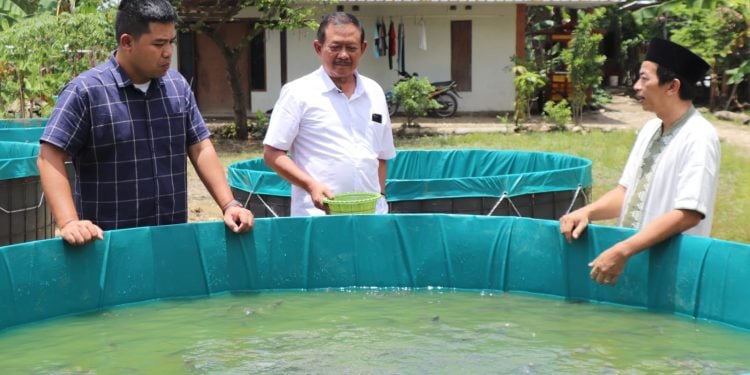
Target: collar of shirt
[667,135]
[329,86]
[121,77]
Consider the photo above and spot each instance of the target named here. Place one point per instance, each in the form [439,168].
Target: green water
[364,331]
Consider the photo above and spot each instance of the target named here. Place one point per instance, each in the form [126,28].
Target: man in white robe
[670,179]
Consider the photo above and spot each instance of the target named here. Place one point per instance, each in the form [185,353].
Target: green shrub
[600,97]
[414,98]
[257,129]
[260,127]
[227,131]
[503,118]
[527,84]
[558,113]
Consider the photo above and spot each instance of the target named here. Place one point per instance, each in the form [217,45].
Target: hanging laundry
[422,35]
[400,58]
[391,44]
[376,40]
[383,38]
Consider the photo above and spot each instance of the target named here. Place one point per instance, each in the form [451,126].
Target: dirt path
[626,112]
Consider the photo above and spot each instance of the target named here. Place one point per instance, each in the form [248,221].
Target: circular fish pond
[371,294]
[480,182]
[22,130]
[361,331]
[24,215]
[25,135]
[29,131]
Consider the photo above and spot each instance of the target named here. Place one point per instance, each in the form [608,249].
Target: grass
[607,151]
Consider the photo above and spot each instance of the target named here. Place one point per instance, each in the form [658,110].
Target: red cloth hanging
[391,45]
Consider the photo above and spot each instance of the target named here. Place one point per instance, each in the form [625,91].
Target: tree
[539,56]
[40,54]
[584,61]
[211,18]
[717,30]
[11,10]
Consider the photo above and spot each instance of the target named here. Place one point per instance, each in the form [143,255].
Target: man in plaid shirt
[128,125]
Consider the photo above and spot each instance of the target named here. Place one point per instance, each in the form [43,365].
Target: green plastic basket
[352,203]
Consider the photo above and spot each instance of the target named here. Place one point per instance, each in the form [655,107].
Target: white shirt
[685,175]
[335,139]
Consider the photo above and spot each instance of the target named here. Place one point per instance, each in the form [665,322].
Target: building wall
[213,90]
[493,32]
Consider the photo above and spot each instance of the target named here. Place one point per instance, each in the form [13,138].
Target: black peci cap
[677,59]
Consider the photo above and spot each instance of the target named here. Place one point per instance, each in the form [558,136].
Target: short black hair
[339,18]
[687,91]
[134,16]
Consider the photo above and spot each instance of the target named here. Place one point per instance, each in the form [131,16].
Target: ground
[621,114]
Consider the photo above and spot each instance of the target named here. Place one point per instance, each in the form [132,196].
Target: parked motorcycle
[445,94]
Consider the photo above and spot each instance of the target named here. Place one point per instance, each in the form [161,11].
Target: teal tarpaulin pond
[697,277]
[24,215]
[500,182]
[18,159]
[27,135]
[23,122]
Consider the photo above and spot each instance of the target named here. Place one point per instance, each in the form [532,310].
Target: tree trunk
[714,90]
[731,97]
[232,56]
[724,90]
[21,96]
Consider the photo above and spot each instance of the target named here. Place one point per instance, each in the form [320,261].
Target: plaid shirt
[129,149]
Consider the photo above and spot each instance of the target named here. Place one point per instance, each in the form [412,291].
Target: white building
[471,42]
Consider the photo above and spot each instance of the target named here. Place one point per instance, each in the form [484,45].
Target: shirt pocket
[111,125]
[373,133]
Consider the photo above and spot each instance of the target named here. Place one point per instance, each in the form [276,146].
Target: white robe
[686,173]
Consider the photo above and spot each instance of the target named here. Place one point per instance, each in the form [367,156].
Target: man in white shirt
[333,122]
[670,179]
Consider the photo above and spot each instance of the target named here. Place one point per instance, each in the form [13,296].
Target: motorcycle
[445,94]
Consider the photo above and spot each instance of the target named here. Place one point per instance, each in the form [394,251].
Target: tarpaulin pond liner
[690,276]
[24,215]
[31,134]
[22,130]
[483,182]
[23,122]
[26,135]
